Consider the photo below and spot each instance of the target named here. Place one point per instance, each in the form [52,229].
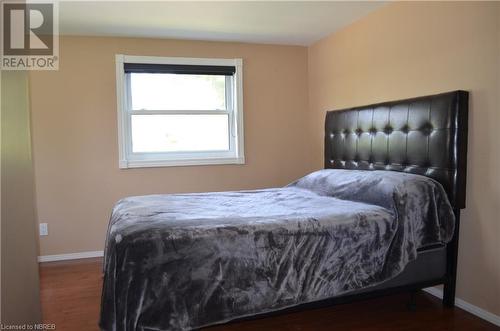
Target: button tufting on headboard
[425,135]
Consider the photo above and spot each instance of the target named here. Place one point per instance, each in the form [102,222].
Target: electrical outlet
[44,229]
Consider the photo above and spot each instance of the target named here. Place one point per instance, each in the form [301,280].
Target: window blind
[181,69]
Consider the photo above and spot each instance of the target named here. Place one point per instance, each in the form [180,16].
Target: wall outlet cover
[44,229]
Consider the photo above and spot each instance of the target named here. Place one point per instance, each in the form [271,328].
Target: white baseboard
[71,256]
[474,310]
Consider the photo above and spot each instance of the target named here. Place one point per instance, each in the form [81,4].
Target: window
[179,111]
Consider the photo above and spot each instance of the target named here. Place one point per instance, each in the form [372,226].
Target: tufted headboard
[425,135]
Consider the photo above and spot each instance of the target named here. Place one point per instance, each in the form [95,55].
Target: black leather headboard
[425,135]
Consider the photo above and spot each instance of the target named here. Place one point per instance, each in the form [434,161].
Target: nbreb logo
[30,36]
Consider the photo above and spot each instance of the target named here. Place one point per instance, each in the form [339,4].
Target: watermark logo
[27,326]
[30,36]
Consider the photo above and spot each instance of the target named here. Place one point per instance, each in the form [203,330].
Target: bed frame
[426,136]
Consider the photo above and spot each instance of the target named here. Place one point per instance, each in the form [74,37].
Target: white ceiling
[273,22]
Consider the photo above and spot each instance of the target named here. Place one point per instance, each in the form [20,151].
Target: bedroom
[271,71]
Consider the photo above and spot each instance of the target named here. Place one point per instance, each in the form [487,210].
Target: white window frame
[234,109]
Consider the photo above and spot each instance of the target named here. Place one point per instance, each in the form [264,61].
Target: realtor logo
[29,36]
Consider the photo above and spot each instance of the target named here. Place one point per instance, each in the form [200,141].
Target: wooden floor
[71,293]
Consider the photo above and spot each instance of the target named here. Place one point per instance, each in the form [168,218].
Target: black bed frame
[425,135]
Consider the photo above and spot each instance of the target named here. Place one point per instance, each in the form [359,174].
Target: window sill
[127,164]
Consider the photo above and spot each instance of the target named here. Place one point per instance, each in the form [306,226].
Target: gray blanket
[182,261]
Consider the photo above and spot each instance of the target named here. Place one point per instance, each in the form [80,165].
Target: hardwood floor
[71,293]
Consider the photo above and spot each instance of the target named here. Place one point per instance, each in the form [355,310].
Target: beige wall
[19,282]
[75,133]
[411,49]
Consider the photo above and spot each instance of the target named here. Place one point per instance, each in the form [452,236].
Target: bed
[382,217]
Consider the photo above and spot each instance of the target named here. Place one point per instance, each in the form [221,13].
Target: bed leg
[412,304]
[451,266]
